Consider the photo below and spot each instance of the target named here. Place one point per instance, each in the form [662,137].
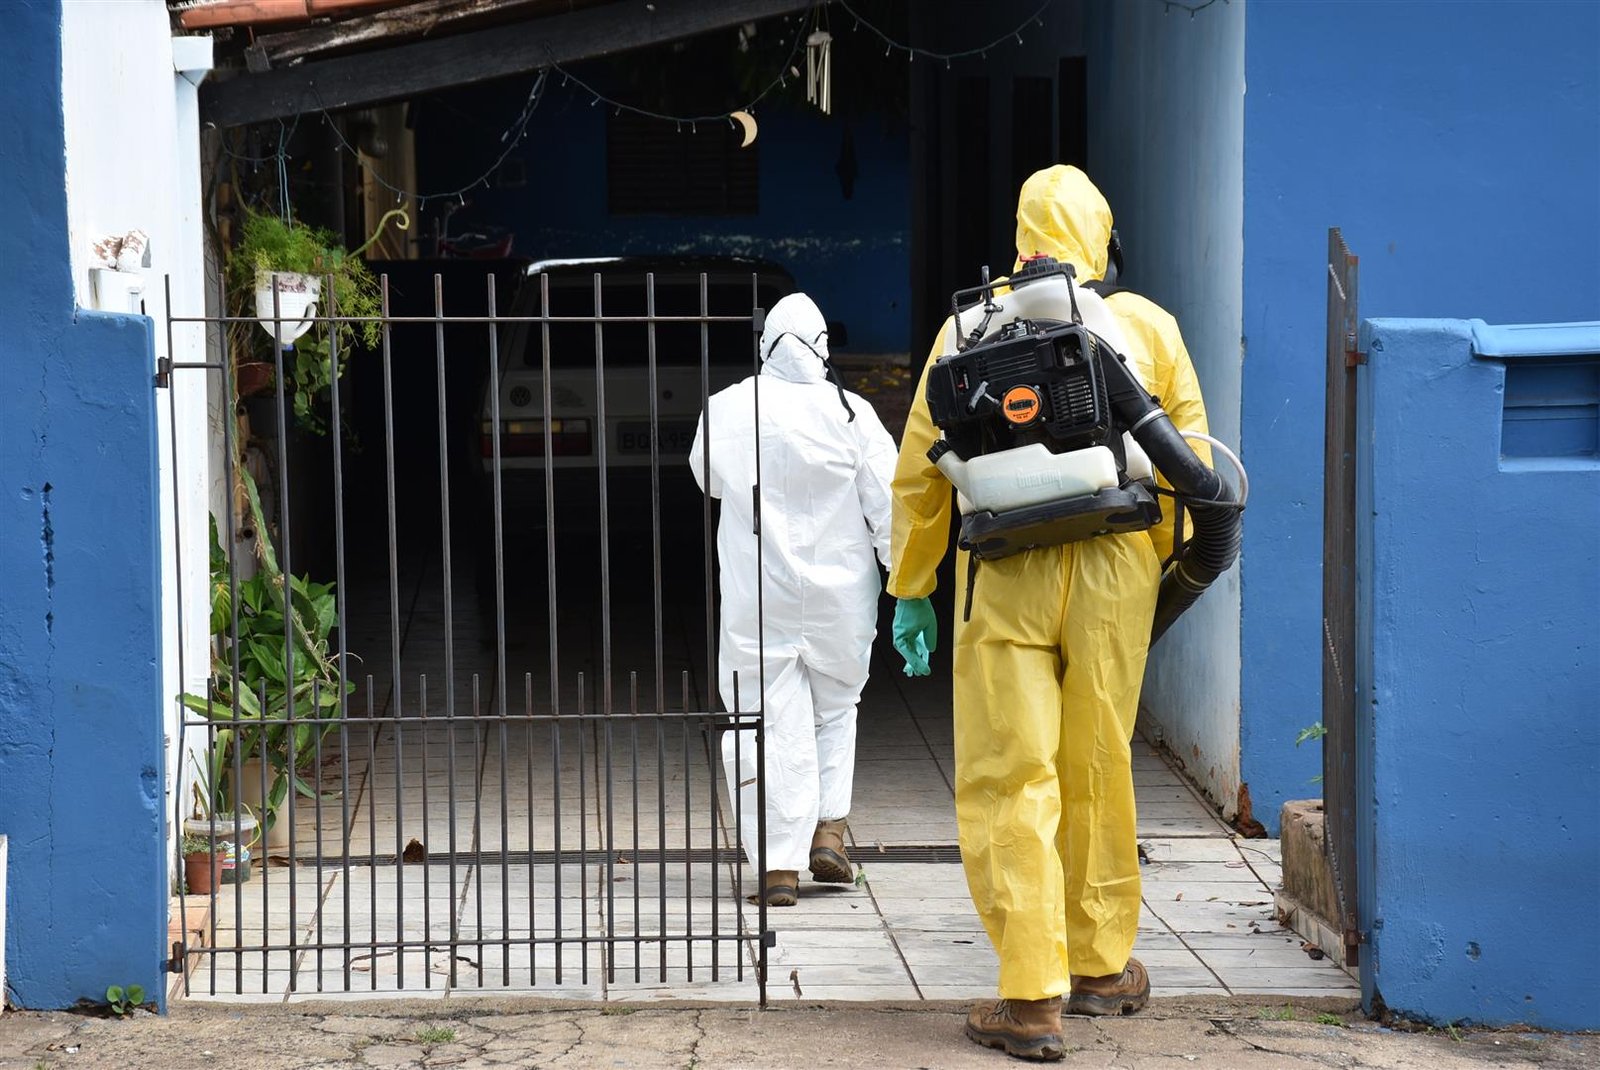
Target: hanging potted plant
[283,272]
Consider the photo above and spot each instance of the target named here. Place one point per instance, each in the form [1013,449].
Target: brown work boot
[829,863]
[1121,993]
[781,887]
[1026,1028]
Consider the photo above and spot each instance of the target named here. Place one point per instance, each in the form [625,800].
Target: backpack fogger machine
[1050,437]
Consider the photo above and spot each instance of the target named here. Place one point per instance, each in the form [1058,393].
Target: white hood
[794,342]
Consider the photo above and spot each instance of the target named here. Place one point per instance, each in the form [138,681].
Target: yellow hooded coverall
[1049,666]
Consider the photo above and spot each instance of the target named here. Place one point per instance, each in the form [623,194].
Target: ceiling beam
[418,19]
[481,55]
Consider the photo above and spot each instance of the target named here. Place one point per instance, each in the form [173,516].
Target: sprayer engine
[1030,382]
[1031,439]
[1051,438]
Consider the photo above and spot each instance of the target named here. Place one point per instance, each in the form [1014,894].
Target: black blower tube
[1215,542]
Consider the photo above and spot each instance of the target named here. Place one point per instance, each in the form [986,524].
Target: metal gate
[1339,586]
[541,810]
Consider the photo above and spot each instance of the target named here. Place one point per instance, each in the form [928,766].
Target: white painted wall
[1166,145]
[133,163]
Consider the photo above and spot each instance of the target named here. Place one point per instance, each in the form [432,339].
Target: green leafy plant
[1307,734]
[269,244]
[285,666]
[124,1001]
[1330,1019]
[195,844]
[436,1034]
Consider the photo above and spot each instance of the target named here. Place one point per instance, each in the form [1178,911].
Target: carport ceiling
[386,51]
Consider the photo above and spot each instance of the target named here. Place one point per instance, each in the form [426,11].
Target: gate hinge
[175,963]
[1353,939]
[1353,354]
[163,371]
[769,938]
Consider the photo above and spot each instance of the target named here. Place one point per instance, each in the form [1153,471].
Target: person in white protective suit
[803,638]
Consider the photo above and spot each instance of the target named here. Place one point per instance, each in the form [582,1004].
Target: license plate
[674,437]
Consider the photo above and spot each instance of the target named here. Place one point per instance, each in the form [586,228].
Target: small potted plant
[202,863]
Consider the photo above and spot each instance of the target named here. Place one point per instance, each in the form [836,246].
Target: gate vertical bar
[500,651]
[1339,586]
[551,608]
[449,610]
[605,695]
[230,474]
[286,565]
[396,692]
[757,324]
[656,610]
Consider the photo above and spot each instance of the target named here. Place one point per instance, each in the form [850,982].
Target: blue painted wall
[80,698]
[1480,674]
[1176,193]
[850,255]
[1459,148]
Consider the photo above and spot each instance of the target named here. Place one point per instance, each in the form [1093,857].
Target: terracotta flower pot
[253,378]
[202,872]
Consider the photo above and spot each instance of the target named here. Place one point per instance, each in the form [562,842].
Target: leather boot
[1025,1028]
[1120,993]
[781,887]
[829,863]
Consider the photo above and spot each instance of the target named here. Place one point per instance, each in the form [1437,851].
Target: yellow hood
[1062,215]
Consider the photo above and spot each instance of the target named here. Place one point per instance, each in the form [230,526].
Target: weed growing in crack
[1330,1019]
[1278,1014]
[436,1034]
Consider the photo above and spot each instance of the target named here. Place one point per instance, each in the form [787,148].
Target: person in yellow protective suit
[1048,670]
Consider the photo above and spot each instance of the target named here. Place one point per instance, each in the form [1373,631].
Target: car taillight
[525,438]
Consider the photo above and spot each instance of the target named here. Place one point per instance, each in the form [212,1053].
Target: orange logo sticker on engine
[1021,405]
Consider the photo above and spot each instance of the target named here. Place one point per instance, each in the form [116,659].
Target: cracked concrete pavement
[476,1034]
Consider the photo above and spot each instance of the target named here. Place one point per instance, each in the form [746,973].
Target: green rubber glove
[916,633]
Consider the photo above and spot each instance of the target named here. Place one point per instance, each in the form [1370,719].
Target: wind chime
[819,70]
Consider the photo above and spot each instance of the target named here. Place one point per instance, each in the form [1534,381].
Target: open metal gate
[1339,748]
[541,810]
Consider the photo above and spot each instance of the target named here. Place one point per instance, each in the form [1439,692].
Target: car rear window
[572,345]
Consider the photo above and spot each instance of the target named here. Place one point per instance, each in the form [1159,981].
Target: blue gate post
[1479,670]
[81,763]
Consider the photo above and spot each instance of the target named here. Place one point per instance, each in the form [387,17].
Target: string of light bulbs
[518,128]
[913,51]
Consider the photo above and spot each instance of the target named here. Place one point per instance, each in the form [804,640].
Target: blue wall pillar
[1479,671]
[81,763]
[1458,146]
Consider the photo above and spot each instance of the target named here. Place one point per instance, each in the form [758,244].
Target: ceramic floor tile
[1285,977]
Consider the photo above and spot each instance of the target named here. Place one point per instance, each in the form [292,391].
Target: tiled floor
[494,838]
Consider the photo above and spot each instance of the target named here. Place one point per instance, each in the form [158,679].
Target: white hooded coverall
[824,481]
